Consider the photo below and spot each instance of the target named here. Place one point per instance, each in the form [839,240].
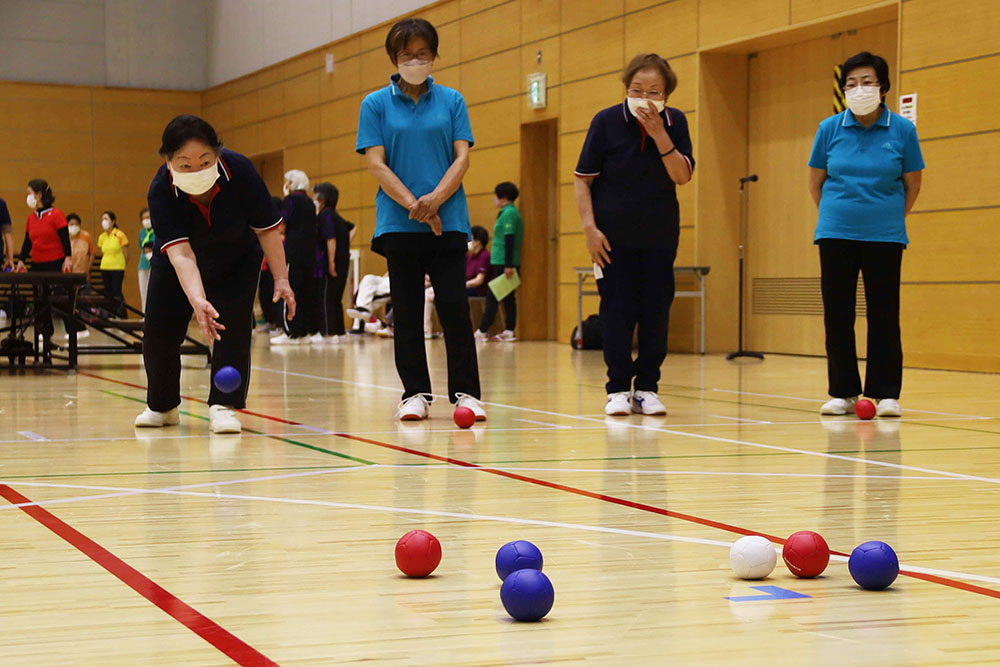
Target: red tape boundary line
[234,647]
[933,578]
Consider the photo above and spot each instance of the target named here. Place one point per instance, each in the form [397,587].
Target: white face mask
[31,201]
[106,224]
[470,246]
[74,230]
[862,100]
[416,71]
[636,103]
[147,223]
[148,255]
[195,182]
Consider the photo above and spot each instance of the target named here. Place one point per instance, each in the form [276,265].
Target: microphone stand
[740,352]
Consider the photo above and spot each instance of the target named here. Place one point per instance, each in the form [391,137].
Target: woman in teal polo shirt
[416,137]
[864,176]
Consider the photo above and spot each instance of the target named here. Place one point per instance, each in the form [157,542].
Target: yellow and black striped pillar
[839,103]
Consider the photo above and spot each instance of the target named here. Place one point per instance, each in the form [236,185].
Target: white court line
[700,436]
[740,419]
[540,522]
[120,492]
[532,421]
[706,473]
[31,435]
[182,491]
[813,400]
[145,438]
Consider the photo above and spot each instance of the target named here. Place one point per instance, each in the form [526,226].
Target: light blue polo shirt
[418,140]
[863,196]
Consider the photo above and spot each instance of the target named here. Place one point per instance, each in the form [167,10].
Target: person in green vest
[505,259]
[146,243]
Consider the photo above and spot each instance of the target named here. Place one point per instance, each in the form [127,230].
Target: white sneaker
[359,313]
[285,339]
[647,403]
[384,332]
[473,403]
[331,340]
[316,339]
[505,336]
[481,337]
[413,408]
[222,419]
[618,404]
[153,419]
[838,406]
[888,407]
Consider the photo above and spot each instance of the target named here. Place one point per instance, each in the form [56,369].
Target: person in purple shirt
[477,263]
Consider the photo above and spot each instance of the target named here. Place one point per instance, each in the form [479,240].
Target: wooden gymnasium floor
[278,545]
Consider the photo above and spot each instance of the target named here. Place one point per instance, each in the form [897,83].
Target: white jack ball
[752,557]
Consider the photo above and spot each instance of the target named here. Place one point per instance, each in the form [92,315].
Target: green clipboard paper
[501,286]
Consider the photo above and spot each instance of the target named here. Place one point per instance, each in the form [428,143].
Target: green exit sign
[536,90]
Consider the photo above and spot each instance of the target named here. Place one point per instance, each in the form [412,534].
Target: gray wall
[247,35]
[132,43]
[173,44]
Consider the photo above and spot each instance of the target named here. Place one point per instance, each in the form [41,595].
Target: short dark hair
[42,186]
[406,29]
[327,193]
[182,129]
[143,212]
[73,216]
[506,190]
[111,214]
[867,59]
[480,234]
[653,61]
[147,244]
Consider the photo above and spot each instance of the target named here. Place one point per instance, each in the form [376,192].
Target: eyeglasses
[424,55]
[649,95]
[850,85]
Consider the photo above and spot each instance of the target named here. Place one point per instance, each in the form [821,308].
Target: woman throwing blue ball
[212,215]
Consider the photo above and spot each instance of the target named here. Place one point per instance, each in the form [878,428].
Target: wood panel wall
[947,53]
[97,148]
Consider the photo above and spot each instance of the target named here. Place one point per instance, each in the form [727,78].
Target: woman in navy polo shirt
[416,137]
[635,155]
[864,175]
[210,208]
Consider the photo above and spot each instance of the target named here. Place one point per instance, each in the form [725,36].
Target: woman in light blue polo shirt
[864,176]
[416,137]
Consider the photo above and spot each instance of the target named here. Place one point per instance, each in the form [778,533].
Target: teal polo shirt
[863,196]
[418,138]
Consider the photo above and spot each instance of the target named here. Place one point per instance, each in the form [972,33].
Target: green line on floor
[250,430]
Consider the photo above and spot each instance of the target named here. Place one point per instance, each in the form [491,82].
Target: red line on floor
[945,581]
[191,398]
[234,647]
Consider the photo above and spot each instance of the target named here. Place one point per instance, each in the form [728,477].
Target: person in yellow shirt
[114,256]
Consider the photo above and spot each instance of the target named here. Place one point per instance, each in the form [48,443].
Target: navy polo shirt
[418,138]
[634,198]
[299,214]
[222,233]
[863,196]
